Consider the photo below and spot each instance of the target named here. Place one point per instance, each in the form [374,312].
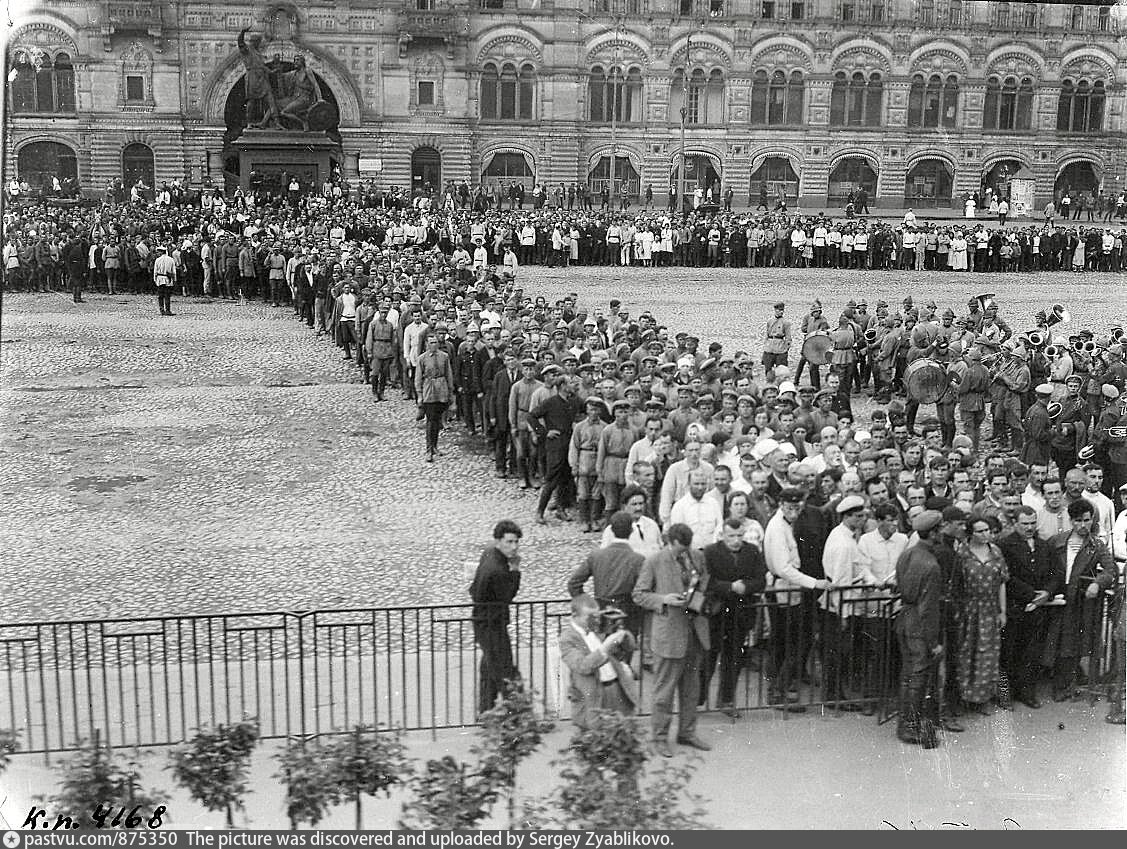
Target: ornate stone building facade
[918,100]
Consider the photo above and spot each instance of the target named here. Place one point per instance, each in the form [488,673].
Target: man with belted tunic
[520,398]
[777,345]
[614,449]
[582,457]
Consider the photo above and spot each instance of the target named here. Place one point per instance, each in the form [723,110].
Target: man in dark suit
[1086,568]
[494,586]
[667,585]
[498,411]
[738,574]
[615,571]
[600,677]
[1034,580]
[75,257]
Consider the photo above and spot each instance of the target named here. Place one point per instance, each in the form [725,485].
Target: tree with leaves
[213,766]
[449,794]
[369,762]
[307,775]
[510,732]
[603,772]
[9,745]
[96,782]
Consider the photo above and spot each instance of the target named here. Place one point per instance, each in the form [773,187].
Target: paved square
[226,459]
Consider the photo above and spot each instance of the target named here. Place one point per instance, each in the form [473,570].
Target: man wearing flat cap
[918,631]
[777,344]
[1037,449]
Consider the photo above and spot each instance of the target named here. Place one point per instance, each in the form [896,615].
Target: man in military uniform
[613,452]
[582,456]
[777,345]
[812,324]
[520,398]
[918,628]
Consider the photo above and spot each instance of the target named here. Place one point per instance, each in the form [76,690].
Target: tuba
[1036,338]
[1056,314]
[1052,352]
[1117,335]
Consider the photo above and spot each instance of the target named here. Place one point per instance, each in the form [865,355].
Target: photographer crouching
[594,645]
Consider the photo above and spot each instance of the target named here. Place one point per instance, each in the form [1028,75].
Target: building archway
[39,162]
[928,184]
[137,164]
[1076,178]
[626,177]
[998,178]
[776,178]
[850,174]
[700,170]
[426,170]
[505,168]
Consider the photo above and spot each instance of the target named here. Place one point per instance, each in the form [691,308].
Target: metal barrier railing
[151,681]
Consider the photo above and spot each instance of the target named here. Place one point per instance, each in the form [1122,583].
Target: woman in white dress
[957,256]
[666,256]
[643,244]
[968,208]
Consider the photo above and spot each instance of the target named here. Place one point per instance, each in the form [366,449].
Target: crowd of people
[723,483]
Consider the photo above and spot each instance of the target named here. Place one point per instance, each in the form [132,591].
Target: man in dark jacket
[739,574]
[74,257]
[614,570]
[1037,449]
[1034,580]
[553,420]
[498,386]
[494,586]
[918,630]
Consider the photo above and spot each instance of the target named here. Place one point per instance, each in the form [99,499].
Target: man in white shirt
[676,482]
[878,551]
[643,451]
[1032,496]
[1053,519]
[840,560]
[696,510]
[1119,534]
[645,538]
[780,550]
[1104,508]
[413,335]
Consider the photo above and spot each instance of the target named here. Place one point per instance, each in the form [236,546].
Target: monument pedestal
[268,154]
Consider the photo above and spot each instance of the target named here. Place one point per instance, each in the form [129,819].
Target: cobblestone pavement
[226,459]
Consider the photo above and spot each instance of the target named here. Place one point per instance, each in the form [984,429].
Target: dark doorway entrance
[426,170]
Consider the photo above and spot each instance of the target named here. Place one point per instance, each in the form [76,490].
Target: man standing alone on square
[494,586]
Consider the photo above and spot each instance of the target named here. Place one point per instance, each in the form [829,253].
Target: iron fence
[141,682]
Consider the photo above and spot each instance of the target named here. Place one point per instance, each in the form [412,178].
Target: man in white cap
[841,561]
[1037,447]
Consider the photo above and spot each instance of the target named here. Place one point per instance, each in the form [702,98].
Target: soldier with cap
[613,452]
[553,420]
[918,631]
[777,345]
[812,324]
[520,398]
[582,457]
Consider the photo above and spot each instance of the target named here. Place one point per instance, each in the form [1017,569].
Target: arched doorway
[849,175]
[928,184]
[998,178]
[1077,178]
[137,164]
[39,162]
[699,171]
[505,169]
[627,180]
[426,170]
[776,178]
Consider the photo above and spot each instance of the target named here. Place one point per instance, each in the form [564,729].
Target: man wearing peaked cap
[918,629]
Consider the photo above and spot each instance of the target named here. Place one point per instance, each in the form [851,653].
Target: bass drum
[926,380]
[816,349]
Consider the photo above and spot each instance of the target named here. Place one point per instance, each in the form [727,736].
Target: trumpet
[1117,431]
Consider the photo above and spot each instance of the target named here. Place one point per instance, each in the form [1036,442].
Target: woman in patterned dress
[984,575]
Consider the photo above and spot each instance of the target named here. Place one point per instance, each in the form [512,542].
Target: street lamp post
[684,118]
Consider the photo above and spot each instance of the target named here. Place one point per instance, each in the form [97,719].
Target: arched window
[43,83]
[507,94]
[1081,106]
[137,164]
[1009,104]
[39,162]
[490,81]
[777,100]
[856,101]
[933,102]
[702,99]
[916,101]
[614,91]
